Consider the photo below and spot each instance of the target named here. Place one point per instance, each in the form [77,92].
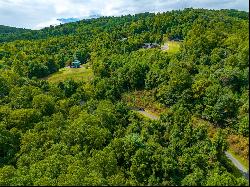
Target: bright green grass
[76,74]
[174,46]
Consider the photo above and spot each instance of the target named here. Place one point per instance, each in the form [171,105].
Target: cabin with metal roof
[76,64]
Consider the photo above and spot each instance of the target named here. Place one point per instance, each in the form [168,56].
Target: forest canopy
[81,132]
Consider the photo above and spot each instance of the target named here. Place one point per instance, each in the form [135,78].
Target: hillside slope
[75,128]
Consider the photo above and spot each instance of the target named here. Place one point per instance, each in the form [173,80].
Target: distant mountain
[94,16]
[70,20]
[11,30]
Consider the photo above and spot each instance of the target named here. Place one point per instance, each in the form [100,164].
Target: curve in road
[234,160]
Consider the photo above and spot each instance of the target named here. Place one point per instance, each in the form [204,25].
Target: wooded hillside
[81,133]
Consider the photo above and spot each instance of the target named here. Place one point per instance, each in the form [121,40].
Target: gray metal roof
[76,62]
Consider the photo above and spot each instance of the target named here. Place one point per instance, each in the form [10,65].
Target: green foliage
[23,118]
[44,103]
[7,173]
[69,132]
[9,145]
[225,179]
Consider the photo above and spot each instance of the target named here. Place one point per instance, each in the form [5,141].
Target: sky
[36,14]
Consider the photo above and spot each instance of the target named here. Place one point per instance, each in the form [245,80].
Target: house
[150,45]
[146,45]
[76,64]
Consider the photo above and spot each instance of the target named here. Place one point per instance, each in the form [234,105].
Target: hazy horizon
[39,14]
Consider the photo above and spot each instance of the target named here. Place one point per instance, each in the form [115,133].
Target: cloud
[40,13]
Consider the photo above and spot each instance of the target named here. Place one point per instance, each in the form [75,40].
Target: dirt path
[238,165]
[234,160]
[151,116]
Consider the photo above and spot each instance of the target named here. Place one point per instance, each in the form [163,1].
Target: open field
[171,46]
[77,74]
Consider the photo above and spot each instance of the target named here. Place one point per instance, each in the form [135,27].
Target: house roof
[76,62]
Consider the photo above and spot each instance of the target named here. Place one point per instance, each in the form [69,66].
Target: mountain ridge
[75,19]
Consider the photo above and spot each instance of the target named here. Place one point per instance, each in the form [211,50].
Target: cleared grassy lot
[172,46]
[76,74]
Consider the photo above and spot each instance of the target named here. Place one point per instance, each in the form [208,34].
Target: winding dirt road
[234,160]
[238,165]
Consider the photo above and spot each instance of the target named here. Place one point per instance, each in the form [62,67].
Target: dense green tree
[44,103]
[80,133]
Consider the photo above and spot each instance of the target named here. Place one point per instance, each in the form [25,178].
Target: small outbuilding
[150,45]
[76,64]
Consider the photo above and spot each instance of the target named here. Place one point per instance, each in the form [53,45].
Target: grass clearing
[173,46]
[77,74]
